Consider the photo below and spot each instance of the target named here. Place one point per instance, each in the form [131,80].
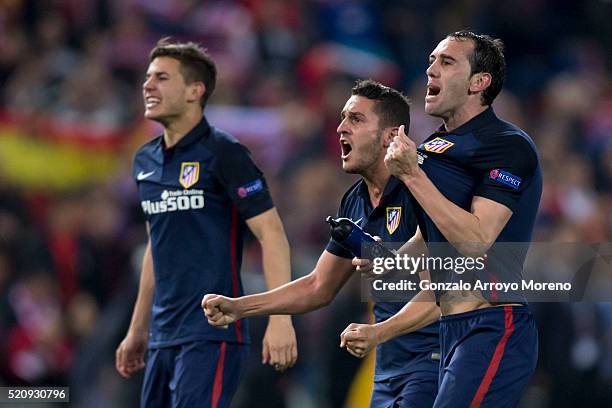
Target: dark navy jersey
[196,197]
[394,221]
[494,159]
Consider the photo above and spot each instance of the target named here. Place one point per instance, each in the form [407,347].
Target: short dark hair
[196,64]
[487,56]
[392,107]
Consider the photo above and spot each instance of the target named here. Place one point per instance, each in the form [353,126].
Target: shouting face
[360,136]
[448,78]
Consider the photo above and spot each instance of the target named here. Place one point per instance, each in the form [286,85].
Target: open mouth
[346,148]
[433,90]
[151,102]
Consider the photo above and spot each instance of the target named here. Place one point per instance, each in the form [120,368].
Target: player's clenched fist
[401,157]
[220,310]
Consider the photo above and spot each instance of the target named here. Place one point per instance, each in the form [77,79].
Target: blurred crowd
[69,258]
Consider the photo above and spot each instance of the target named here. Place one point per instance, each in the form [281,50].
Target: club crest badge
[393,218]
[438,145]
[190,174]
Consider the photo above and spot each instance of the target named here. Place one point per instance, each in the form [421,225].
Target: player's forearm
[415,246]
[142,309]
[416,314]
[299,296]
[460,227]
[275,258]
[276,262]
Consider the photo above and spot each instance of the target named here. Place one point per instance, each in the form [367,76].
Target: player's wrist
[241,308]
[410,179]
[139,333]
[286,319]
[380,333]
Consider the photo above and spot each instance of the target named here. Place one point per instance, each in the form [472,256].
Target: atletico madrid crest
[438,145]
[393,218]
[190,173]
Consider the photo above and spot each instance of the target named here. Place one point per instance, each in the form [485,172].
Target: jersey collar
[198,132]
[392,184]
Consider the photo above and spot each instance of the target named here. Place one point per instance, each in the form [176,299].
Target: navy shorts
[488,357]
[195,374]
[414,390]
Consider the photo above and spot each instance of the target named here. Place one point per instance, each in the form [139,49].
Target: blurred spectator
[38,348]
[92,97]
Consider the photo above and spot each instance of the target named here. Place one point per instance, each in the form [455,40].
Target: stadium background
[71,231]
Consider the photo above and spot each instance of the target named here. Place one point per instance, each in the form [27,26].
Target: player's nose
[148,84]
[342,127]
[432,70]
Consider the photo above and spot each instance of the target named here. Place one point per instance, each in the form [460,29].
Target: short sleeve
[333,246]
[243,181]
[508,167]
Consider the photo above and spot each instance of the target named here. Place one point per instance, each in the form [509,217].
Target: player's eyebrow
[442,56]
[355,115]
[155,73]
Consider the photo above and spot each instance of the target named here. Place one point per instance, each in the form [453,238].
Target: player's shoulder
[221,139]
[223,144]
[505,136]
[145,154]
[148,148]
[351,194]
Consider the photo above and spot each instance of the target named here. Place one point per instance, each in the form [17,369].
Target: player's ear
[479,82]
[388,135]
[196,91]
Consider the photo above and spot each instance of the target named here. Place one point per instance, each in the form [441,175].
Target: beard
[369,155]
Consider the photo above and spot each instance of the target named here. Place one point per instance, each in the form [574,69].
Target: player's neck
[176,130]
[463,115]
[376,183]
